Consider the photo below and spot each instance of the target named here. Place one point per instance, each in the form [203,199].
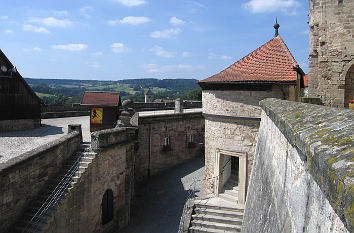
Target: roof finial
[276,26]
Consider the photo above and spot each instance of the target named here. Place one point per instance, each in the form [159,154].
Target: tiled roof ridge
[247,70]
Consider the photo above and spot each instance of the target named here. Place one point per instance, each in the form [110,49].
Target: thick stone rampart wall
[302,179]
[112,168]
[23,177]
[152,156]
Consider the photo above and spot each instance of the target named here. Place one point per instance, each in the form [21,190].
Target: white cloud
[159,51]
[61,13]
[52,22]
[176,21]
[215,56]
[95,65]
[3,17]
[186,54]
[224,57]
[71,47]
[131,2]
[263,6]
[8,31]
[198,4]
[32,28]
[35,49]
[119,48]
[133,20]
[306,32]
[168,33]
[85,11]
[97,54]
[153,68]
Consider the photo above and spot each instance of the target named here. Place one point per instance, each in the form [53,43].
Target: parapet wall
[167,140]
[23,177]
[139,106]
[112,168]
[302,180]
[64,110]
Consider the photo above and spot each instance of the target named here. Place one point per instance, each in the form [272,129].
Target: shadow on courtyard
[159,205]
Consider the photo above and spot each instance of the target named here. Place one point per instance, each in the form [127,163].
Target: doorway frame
[242,172]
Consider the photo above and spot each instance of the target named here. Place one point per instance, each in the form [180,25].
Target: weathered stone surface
[331,51]
[302,180]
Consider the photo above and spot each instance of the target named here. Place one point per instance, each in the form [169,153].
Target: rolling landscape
[67,91]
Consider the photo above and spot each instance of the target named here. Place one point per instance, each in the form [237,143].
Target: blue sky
[124,39]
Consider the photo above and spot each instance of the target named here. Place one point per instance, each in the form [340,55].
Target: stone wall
[302,179]
[23,177]
[22,124]
[140,106]
[153,156]
[331,51]
[64,110]
[112,168]
[231,123]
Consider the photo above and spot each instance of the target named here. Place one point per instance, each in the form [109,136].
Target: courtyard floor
[13,144]
[158,207]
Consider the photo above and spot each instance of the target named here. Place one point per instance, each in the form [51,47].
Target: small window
[166,141]
[340,2]
[190,140]
[166,144]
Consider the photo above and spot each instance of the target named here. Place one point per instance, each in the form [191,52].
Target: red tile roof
[272,62]
[306,80]
[100,98]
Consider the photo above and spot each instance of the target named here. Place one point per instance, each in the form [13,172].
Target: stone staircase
[40,210]
[216,215]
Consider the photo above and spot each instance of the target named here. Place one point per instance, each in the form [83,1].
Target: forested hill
[55,91]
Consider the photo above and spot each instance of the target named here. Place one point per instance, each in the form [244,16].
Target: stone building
[232,115]
[149,96]
[20,106]
[104,108]
[332,51]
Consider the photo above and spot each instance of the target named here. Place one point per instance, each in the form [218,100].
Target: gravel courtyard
[159,205]
[15,143]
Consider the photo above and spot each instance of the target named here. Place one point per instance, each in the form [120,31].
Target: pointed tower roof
[149,92]
[270,63]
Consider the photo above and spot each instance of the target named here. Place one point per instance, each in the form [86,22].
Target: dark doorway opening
[107,206]
[234,168]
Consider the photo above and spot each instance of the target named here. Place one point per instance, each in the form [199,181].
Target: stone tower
[332,51]
[149,96]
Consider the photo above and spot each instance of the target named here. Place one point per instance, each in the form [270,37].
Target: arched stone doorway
[349,86]
[107,206]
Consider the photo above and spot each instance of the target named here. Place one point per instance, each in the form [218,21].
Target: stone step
[228,197]
[220,212]
[195,229]
[232,192]
[217,205]
[230,187]
[217,219]
[215,225]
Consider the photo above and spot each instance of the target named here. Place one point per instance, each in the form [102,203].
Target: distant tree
[195,94]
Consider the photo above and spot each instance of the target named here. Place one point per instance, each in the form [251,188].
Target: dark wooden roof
[6,62]
[101,98]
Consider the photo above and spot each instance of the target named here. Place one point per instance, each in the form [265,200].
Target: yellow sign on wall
[96,115]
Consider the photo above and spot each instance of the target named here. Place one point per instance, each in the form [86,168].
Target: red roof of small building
[306,80]
[272,62]
[101,98]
